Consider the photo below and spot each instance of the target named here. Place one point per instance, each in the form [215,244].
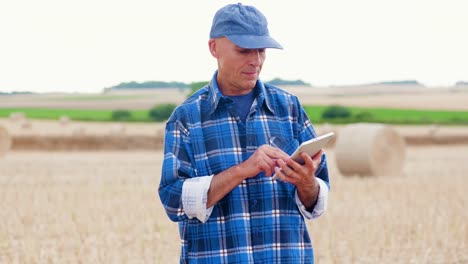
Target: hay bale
[118,130]
[5,141]
[78,131]
[369,149]
[17,116]
[64,120]
[26,124]
[433,130]
[327,128]
[160,132]
[160,135]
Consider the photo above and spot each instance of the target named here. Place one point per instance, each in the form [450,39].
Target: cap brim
[254,42]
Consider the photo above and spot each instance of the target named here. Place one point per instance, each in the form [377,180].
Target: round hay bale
[118,130]
[5,141]
[26,124]
[17,116]
[160,134]
[327,128]
[160,131]
[433,130]
[369,150]
[64,120]
[78,131]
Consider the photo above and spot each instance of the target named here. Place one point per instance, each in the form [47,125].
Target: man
[222,146]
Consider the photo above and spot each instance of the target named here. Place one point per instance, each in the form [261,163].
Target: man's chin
[250,83]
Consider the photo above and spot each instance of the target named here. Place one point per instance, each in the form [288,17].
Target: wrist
[316,196]
[239,172]
[309,194]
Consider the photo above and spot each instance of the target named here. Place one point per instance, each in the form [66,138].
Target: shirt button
[254,203]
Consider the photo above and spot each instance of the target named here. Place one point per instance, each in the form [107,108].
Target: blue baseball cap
[244,25]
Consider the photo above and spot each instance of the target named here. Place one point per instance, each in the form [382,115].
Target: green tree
[161,112]
[279,82]
[195,86]
[121,115]
[364,116]
[336,111]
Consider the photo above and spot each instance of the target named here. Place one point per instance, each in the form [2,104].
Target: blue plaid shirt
[260,220]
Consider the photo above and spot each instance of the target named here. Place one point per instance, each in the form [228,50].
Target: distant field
[97,97]
[382,103]
[380,115]
[377,96]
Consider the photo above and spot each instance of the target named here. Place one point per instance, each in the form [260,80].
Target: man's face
[238,68]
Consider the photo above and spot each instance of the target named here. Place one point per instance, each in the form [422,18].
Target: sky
[87,45]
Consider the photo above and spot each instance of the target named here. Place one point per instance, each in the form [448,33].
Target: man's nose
[255,57]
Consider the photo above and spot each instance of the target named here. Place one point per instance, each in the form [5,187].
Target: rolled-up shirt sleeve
[320,205]
[195,197]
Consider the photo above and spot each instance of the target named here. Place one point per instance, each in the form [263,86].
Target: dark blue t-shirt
[243,104]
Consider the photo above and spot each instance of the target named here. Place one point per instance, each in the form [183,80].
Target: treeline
[403,82]
[278,82]
[15,93]
[150,84]
[160,84]
[275,81]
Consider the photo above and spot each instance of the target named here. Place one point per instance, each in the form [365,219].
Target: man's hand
[265,159]
[302,176]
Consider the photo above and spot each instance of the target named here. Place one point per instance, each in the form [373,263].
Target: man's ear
[212,46]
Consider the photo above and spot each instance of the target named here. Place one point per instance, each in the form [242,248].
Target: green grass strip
[75,114]
[391,116]
[358,114]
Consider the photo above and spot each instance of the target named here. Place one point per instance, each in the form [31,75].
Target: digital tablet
[311,147]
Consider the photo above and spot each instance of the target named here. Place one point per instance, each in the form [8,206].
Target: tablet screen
[311,147]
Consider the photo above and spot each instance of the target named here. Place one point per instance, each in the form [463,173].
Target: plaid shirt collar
[215,94]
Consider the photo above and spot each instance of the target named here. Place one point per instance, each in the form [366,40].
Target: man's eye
[247,51]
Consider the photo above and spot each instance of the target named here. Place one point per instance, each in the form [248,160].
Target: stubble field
[103,207]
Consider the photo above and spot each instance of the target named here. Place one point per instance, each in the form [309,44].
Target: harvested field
[100,204]
[62,207]
[103,207]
